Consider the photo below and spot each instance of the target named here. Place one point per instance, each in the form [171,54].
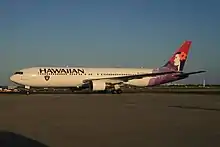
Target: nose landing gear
[27,90]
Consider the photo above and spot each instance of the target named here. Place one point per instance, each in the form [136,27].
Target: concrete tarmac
[106,120]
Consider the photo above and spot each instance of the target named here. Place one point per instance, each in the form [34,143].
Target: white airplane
[102,79]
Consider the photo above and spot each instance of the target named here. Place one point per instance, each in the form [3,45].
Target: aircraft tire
[27,92]
[119,91]
[113,92]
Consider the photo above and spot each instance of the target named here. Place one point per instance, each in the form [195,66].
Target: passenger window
[18,73]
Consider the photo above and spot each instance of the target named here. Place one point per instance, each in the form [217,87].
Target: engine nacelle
[97,86]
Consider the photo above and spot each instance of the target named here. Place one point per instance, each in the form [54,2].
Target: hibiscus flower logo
[182,56]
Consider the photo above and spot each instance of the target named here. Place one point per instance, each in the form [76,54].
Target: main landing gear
[116,91]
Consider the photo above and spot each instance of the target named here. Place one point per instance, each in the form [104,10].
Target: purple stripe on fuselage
[162,79]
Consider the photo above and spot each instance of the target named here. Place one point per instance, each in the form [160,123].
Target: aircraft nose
[14,78]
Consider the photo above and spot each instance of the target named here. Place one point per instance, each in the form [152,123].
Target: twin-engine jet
[105,79]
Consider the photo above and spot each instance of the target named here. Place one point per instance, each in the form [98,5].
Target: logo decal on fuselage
[61,71]
[46,78]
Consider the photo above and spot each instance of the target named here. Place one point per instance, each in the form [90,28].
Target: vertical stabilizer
[178,59]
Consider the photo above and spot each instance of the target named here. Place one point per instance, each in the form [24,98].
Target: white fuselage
[32,77]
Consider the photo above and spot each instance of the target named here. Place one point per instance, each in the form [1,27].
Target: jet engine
[97,85]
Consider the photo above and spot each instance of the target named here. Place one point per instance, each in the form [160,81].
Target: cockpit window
[18,73]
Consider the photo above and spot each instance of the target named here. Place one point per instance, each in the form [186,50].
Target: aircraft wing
[130,77]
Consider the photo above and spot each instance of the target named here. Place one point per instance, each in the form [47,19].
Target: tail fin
[177,61]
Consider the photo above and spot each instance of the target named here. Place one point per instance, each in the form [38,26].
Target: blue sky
[107,33]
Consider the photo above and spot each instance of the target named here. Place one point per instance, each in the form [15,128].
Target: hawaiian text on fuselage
[61,71]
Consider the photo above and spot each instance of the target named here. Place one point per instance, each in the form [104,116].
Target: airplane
[105,79]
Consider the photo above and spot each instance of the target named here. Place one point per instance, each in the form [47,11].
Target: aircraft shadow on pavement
[196,108]
[10,139]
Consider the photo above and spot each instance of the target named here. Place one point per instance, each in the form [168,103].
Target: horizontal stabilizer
[191,73]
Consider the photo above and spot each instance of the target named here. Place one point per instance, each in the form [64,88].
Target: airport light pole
[204,83]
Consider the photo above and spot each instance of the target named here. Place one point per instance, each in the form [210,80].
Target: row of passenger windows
[111,74]
[98,74]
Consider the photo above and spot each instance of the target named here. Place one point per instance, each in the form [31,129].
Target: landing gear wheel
[113,91]
[73,91]
[27,92]
[119,91]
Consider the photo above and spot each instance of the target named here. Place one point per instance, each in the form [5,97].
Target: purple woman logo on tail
[179,60]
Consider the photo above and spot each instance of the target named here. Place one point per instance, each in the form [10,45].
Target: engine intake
[97,85]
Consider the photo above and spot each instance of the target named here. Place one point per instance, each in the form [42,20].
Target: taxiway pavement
[82,120]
